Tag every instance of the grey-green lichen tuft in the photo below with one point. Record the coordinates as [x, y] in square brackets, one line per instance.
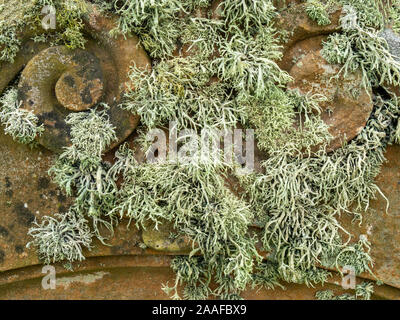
[19, 123]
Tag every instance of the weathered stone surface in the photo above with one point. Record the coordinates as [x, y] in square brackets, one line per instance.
[76, 93]
[393, 40]
[163, 239]
[300, 27]
[381, 224]
[138, 277]
[80, 79]
[349, 105]
[26, 193]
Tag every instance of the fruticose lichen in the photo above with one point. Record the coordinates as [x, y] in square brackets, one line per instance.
[19, 123]
[219, 70]
[80, 170]
[363, 291]
[317, 11]
[17, 15]
[362, 48]
[62, 239]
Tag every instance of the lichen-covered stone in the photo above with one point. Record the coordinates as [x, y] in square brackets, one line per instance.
[163, 239]
[349, 105]
[393, 41]
[57, 80]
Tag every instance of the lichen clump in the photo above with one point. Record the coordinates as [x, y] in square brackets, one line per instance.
[217, 69]
[19, 123]
[363, 291]
[19, 15]
[62, 239]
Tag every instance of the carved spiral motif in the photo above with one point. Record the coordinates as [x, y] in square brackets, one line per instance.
[57, 81]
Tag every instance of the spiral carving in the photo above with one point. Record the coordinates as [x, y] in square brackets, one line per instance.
[56, 81]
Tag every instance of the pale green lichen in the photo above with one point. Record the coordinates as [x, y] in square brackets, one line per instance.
[179, 90]
[62, 237]
[363, 291]
[249, 65]
[12, 19]
[80, 170]
[193, 272]
[203, 36]
[195, 199]
[299, 231]
[158, 23]
[269, 275]
[362, 48]
[19, 123]
[10, 43]
[69, 19]
[91, 131]
[302, 230]
[355, 256]
[394, 15]
[370, 13]
[251, 15]
[18, 16]
[275, 117]
[317, 11]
